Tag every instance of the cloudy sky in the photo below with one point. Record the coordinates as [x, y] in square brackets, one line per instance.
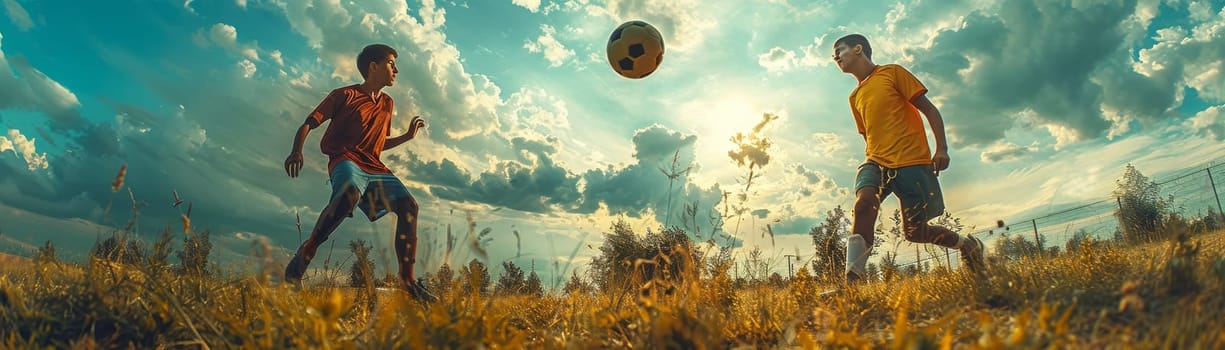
[532, 135]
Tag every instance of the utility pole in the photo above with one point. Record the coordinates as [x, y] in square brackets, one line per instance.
[1037, 241]
[790, 271]
[1214, 192]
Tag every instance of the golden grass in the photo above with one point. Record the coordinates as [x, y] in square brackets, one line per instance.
[1071, 301]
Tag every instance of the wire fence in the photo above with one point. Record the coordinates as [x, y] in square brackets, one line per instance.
[1193, 193]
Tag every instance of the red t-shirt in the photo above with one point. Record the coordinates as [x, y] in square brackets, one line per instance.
[359, 128]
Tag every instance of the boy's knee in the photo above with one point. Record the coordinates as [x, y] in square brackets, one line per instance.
[866, 200]
[405, 206]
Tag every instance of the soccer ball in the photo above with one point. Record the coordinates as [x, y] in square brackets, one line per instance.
[635, 49]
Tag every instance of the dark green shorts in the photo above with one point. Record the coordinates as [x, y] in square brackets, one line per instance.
[916, 187]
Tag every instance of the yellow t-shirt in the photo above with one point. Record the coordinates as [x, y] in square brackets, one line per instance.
[888, 121]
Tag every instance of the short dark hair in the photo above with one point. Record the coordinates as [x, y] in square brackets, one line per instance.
[856, 39]
[373, 53]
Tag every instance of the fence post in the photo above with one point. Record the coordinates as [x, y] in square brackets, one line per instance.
[1037, 243]
[918, 259]
[1214, 192]
[1122, 223]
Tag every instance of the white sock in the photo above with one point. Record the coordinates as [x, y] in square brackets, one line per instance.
[857, 255]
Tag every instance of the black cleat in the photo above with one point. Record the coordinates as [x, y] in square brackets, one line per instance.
[972, 255]
[418, 291]
[295, 269]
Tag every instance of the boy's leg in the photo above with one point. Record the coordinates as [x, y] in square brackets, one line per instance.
[406, 247]
[859, 244]
[919, 191]
[387, 194]
[331, 217]
[406, 237]
[868, 194]
[971, 249]
[344, 198]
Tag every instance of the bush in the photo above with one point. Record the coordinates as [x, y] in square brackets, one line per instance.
[829, 266]
[627, 260]
[194, 255]
[1140, 206]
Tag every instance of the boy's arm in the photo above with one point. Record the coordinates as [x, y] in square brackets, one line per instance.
[293, 163]
[413, 127]
[940, 160]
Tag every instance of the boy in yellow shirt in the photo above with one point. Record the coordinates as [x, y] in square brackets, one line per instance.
[886, 107]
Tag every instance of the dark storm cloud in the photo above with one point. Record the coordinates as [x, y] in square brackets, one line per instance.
[1060, 60]
[24, 87]
[533, 183]
[644, 184]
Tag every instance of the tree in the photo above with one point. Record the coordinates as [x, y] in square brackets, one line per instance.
[46, 254]
[1018, 246]
[776, 280]
[1079, 239]
[829, 265]
[873, 272]
[511, 282]
[443, 279]
[533, 287]
[1140, 206]
[577, 284]
[475, 277]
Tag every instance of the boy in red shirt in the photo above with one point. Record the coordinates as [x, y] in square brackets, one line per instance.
[360, 117]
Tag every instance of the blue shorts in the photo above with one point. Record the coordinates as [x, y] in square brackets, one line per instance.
[379, 193]
[916, 187]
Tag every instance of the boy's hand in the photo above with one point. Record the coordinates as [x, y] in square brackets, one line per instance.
[293, 164]
[940, 161]
[414, 126]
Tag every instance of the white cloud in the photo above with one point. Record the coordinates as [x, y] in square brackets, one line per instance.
[777, 59]
[780, 59]
[1200, 10]
[242, 4]
[1210, 122]
[224, 35]
[248, 68]
[683, 23]
[250, 53]
[826, 144]
[533, 113]
[303, 80]
[18, 14]
[435, 85]
[530, 5]
[187, 6]
[23, 147]
[1193, 57]
[276, 57]
[1002, 151]
[554, 51]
